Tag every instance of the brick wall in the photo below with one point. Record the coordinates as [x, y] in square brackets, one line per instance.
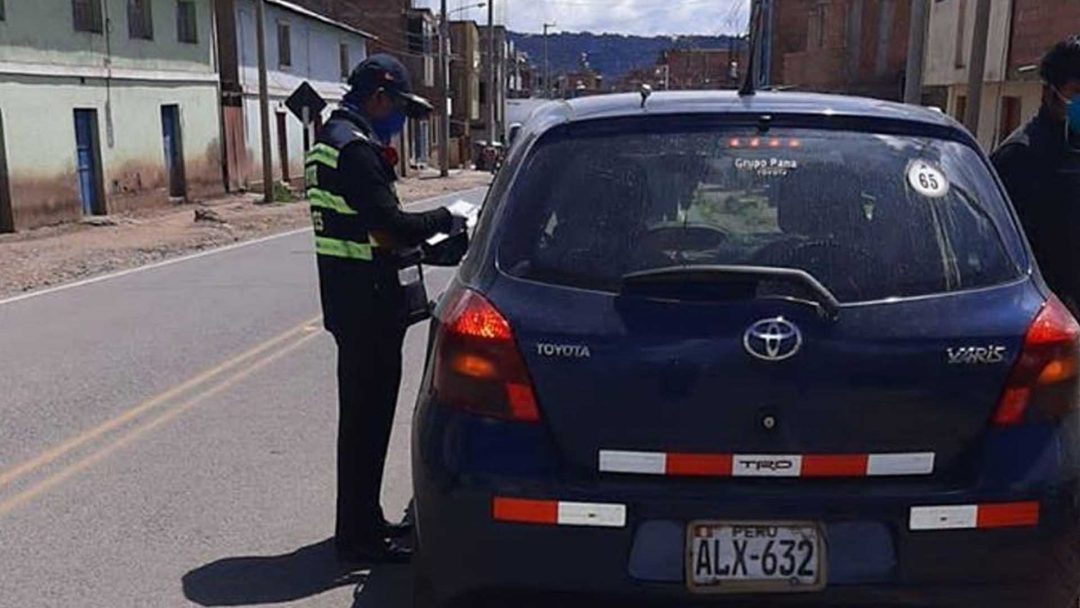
[698, 68]
[841, 46]
[788, 33]
[1038, 25]
[383, 18]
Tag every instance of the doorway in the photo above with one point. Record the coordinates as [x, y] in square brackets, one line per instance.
[283, 145]
[173, 139]
[7, 216]
[88, 162]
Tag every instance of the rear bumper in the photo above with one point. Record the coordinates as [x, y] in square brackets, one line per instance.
[873, 559]
[461, 463]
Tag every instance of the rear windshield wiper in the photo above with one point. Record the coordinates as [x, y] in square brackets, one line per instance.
[647, 281]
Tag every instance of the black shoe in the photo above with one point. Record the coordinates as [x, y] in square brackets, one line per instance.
[401, 530]
[372, 554]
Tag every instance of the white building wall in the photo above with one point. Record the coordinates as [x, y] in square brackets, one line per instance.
[948, 55]
[952, 26]
[48, 70]
[991, 132]
[315, 48]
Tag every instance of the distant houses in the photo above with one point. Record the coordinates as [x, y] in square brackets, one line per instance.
[108, 106]
[301, 45]
[859, 47]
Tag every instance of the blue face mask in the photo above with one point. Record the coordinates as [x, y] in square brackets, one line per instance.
[1072, 115]
[386, 128]
[1072, 112]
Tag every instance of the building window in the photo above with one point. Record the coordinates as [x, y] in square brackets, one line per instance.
[816, 27]
[187, 28]
[961, 107]
[961, 34]
[140, 21]
[284, 45]
[2, 14]
[429, 71]
[1010, 116]
[87, 15]
[343, 59]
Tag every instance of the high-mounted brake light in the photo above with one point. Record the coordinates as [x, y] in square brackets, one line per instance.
[478, 367]
[758, 142]
[1045, 380]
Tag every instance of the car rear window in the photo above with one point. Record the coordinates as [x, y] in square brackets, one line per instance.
[869, 215]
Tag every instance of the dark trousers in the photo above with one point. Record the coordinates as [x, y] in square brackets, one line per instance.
[369, 375]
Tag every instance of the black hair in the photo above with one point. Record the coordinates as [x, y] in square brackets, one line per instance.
[1061, 64]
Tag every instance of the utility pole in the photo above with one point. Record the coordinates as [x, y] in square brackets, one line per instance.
[913, 80]
[264, 104]
[547, 65]
[491, 94]
[976, 66]
[444, 87]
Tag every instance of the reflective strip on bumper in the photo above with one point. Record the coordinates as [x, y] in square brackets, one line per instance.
[971, 517]
[342, 249]
[901, 464]
[647, 463]
[766, 465]
[558, 513]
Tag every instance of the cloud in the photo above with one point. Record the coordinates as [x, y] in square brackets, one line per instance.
[642, 17]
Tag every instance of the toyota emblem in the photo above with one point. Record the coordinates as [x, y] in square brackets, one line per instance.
[773, 339]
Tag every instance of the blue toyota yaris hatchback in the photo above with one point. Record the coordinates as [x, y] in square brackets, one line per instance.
[783, 348]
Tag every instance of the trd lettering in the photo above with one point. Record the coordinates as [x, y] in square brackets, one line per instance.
[767, 465]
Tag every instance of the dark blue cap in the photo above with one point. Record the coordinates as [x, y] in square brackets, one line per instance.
[382, 71]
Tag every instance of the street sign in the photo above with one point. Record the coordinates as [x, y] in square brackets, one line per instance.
[305, 96]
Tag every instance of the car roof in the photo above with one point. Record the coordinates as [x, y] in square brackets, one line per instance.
[723, 102]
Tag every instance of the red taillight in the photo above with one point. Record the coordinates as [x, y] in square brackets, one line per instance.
[478, 367]
[1044, 380]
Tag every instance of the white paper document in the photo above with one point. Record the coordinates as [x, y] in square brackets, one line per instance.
[460, 207]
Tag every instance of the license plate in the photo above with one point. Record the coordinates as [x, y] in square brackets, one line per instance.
[733, 557]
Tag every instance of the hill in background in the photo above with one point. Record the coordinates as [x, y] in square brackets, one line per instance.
[612, 55]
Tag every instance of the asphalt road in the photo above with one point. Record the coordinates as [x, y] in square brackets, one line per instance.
[167, 438]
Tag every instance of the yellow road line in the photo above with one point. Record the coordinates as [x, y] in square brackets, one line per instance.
[9, 476]
[36, 489]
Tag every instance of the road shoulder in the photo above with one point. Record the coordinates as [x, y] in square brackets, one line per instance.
[69, 253]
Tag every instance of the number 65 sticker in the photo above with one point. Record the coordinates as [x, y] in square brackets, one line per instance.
[927, 180]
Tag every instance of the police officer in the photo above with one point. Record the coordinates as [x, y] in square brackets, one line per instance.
[1040, 166]
[360, 234]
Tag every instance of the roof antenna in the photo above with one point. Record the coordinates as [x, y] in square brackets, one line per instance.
[645, 91]
[749, 85]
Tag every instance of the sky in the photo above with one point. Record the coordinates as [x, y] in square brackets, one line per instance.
[641, 17]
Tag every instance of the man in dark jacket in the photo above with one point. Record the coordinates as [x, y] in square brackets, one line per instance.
[361, 232]
[1040, 166]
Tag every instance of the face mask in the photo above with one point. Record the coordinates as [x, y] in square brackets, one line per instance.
[386, 128]
[1072, 112]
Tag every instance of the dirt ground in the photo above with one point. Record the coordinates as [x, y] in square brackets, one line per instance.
[59, 254]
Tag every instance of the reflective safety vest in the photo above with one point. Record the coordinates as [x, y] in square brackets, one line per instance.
[339, 231]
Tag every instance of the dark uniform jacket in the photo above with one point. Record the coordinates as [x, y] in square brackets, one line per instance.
[359, 224]
[1042, 174]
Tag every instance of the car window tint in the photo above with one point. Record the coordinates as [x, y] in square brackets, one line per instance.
[588, 209]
